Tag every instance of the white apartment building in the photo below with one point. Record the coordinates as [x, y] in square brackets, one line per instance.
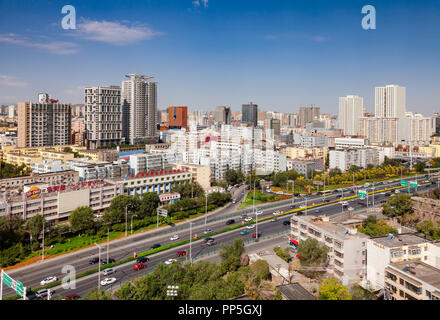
[419, 128]
[103, 116]
[344, 159]
[139, 108]
[405, 265]
[48, 166]
[347, 255]
[310, 141]
[380, 130]
[350, 143]
[390, 102]
[350, 111]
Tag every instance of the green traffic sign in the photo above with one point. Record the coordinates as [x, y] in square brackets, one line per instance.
[7, 280]
[362, 194]
[413, 184]
[404, 183]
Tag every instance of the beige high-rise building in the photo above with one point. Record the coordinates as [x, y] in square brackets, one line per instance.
[43, 124]
[308, 114]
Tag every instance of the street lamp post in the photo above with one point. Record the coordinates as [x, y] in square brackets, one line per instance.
[206, 207]
[172, 291]
[43, 241]
[126, 215]
[108, 242]
[190, 242]
[99, 265]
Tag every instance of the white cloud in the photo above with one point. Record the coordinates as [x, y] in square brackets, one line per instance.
[9, 81]
[113, 32]
[196, 3]
[57, 47]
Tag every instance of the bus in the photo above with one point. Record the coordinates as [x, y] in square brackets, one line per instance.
[325, 193]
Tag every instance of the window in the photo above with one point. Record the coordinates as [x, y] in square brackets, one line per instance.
[401, 293]
[401, 282]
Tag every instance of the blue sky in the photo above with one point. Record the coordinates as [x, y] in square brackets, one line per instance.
[278, 54]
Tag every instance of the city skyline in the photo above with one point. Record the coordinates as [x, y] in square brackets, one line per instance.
[290, 57]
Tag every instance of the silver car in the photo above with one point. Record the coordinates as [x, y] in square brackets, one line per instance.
[108, 271]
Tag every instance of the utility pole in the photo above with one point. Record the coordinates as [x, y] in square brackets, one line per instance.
[43, 240]
[126, 215]
[108, 243]
[132, 223]
[190, 242]
[99, 265]
[206, 207]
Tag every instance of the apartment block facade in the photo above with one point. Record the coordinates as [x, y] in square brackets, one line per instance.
[103, 116]
[43, 124]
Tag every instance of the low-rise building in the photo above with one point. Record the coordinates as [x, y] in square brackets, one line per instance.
[412, 280]
[384, 251]
[200, 174]
[306, 166]
[55, 203]
[162, 181]
[347, 255]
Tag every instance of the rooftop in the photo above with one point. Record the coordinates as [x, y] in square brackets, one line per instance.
[295, 291]
[419, 270]
[400, 239]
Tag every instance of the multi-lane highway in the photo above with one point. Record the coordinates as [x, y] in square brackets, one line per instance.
[121, 249]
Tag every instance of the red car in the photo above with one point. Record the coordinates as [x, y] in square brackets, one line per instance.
[181, 253]
[72, 297]
[255, 235]
[139, 266]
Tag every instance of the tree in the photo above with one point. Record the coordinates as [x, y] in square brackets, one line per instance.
[35, 225]
[230, 255]
[398, 205]
[311, 252]
[333, 290]
[189, 190]
[420, 166]
[260, 269]
[96, 294]
[376, 228]
[148, 204]
[436, 193]
[359, 293]
[118, 205]
[234, 177]
[81, 219]
[335, 172]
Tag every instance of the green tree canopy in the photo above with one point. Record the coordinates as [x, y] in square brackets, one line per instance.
[96, 294]
[398, 205]
[35, 225]
[376, 228]
[331, 289]
[420, 166]
[189, 190]
[230, 255]
[81, 219]
[234, 177]
[311, 252]
[148, 204]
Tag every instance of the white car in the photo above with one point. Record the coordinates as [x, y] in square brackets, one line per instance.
[350, 209]
[251, 226]
[247, 219]
[276, 212]
[258, 212]
[175, 237]
[48, 280]
[108, 271]
[397, 191]
[98, 215]
[108, 281]
[170, 261]
[207, 231]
